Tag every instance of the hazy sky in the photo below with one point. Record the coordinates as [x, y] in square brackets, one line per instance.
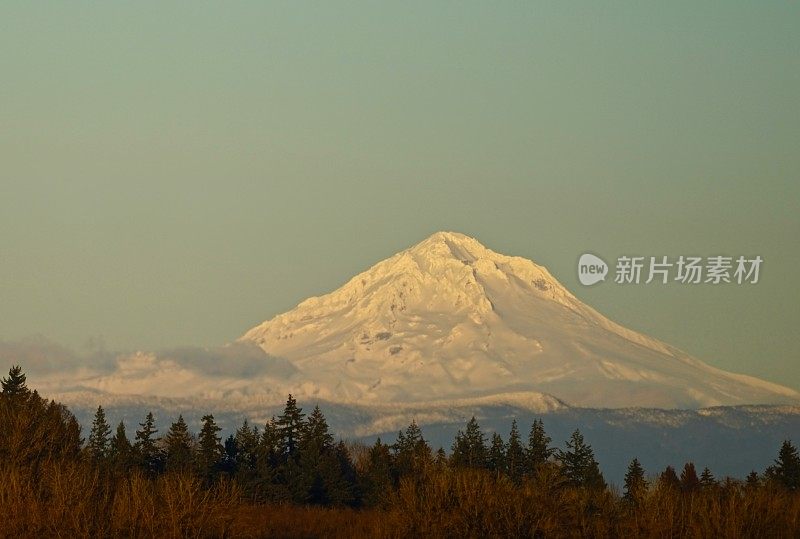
[174, 173]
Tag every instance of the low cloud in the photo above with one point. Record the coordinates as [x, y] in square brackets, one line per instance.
[41, 356]
[235, 360]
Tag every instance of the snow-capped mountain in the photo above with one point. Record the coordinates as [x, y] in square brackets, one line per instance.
[450, 319]
[438, 333]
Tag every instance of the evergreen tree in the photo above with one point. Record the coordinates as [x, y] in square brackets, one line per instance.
[120, 450]
[752, 481]
[178, 446]
[579, 465]
[269, 457]
[707, 480]
[290, 425]
[270, 446]
[14, 387]
[469, 448]
[669, 479]
[635, 483]
[786, 469]
[229, 455]
[689, 480]
[338, 476]
[459, 452]
[209, 448]
[247, 440]
[316, 433]
[99, 436]
[515, 454]
[496, 460]
[538, 450]
[376, 482]
[147, 454]
[246, 453]
[291, 481]
[32, 429]
[411, 451]
[440, 460]
[319, 481]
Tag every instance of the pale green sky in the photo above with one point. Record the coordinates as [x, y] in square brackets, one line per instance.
[174, 173]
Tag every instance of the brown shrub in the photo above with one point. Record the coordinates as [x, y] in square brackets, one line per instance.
[73, 499]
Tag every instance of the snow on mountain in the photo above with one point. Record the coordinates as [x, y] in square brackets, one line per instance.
[450, 319]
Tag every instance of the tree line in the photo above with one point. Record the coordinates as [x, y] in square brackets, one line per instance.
[294, 458]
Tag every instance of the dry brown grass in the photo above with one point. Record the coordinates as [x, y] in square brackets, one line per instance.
[475, 504]
[288, 521]
[74, 499]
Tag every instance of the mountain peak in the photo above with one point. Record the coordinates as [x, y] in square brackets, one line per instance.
[455, 257]
[448, 235]
[452, 245]
[452, 238]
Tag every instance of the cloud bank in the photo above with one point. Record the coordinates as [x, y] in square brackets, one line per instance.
[231, 370]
